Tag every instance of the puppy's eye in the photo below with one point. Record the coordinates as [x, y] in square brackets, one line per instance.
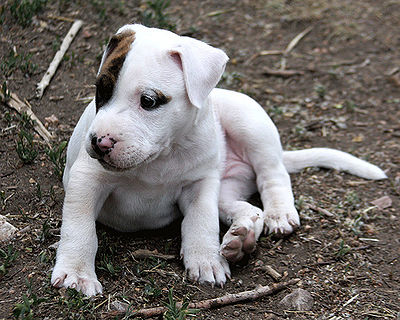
[148, 103]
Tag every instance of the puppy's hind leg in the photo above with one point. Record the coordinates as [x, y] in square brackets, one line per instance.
[256, 140]
[246, 221]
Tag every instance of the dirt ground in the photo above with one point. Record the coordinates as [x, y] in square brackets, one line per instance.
[344, 94]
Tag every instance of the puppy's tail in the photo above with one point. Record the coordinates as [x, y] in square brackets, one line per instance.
[295, 161]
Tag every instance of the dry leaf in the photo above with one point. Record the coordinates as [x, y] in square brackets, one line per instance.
[383, 202]
[359, 138]
[52, 119]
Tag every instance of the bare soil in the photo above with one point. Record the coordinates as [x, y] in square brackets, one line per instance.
[346, 96]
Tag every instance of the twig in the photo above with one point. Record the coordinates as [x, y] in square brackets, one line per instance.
[23, 106]
[57, 58]
[270, 271]
[218, 12]
[321, 210]
[285, 52]
[143, 254]
[350, 301]
[23, 230]
[281, 72]
[61, 18]
[292, 44]
[263, 53]
[270, 52]
[297, 39]
[232, 298]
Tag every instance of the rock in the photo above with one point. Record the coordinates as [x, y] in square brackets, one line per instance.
[299, 299]
[119, 306]
[7, 230]
[54, 245]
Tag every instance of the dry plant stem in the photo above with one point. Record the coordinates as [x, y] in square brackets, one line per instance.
[292, 44]
[282, 73]
[297, 39]
[42, 85]
[321, 210]
[232, 298]
[20, 106]
[142, 254]
[271, 271]
[61, 18]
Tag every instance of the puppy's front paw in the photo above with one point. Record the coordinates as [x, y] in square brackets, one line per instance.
[85, 282]
[205, 266]
[281, 221]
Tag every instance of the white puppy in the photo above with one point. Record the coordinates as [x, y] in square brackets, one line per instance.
[159, 141]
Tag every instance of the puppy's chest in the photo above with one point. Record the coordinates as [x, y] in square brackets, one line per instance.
[140, 206]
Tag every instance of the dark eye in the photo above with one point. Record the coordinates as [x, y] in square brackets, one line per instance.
[148, 103]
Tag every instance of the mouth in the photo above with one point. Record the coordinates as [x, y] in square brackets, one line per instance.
[109, 166]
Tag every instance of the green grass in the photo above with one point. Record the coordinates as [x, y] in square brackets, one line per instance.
[17, 61]
[57, 156]
[106, 264]
[7, 258]
[75, 305]
[24, 10]
[26, 147]
[5, 93]
[151, 289]
[175, 313]
[320, 90]
[343, 250]
[25, 309]
[155, 15]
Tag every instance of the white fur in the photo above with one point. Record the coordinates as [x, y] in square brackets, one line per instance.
[200, 155]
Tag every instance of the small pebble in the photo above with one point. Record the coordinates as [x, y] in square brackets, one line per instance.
[299, 299]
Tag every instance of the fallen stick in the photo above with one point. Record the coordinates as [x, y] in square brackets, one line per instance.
[21, 107]
[321, 210]
[231, 298]
[143, 253]
[60, 18]
[282, 72]
[263, 53]
[42, 85]
[271, 271]
[296, 40]
[292, 44]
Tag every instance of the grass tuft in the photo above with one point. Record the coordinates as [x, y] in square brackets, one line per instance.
[175, 313]
[57, 156]
[155, 15]
[7, 258]
[24, 310]
[26, 147]
[24, 10]
[15, 61]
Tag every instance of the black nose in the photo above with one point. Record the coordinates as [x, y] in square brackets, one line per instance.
[94, 141]
[95, 147]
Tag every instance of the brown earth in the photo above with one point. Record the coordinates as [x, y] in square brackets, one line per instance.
[346, 96]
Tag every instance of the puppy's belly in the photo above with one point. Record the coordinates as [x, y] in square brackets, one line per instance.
[237, 163]
[128, 210]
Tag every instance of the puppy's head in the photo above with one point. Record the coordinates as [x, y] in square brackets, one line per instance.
[149, 88]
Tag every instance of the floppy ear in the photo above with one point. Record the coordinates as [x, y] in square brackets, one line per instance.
[202, 67]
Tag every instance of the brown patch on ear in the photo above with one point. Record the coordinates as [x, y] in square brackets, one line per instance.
[117, 49]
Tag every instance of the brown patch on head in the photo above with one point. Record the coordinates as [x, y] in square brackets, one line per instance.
[162, 99]
[116, 52]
